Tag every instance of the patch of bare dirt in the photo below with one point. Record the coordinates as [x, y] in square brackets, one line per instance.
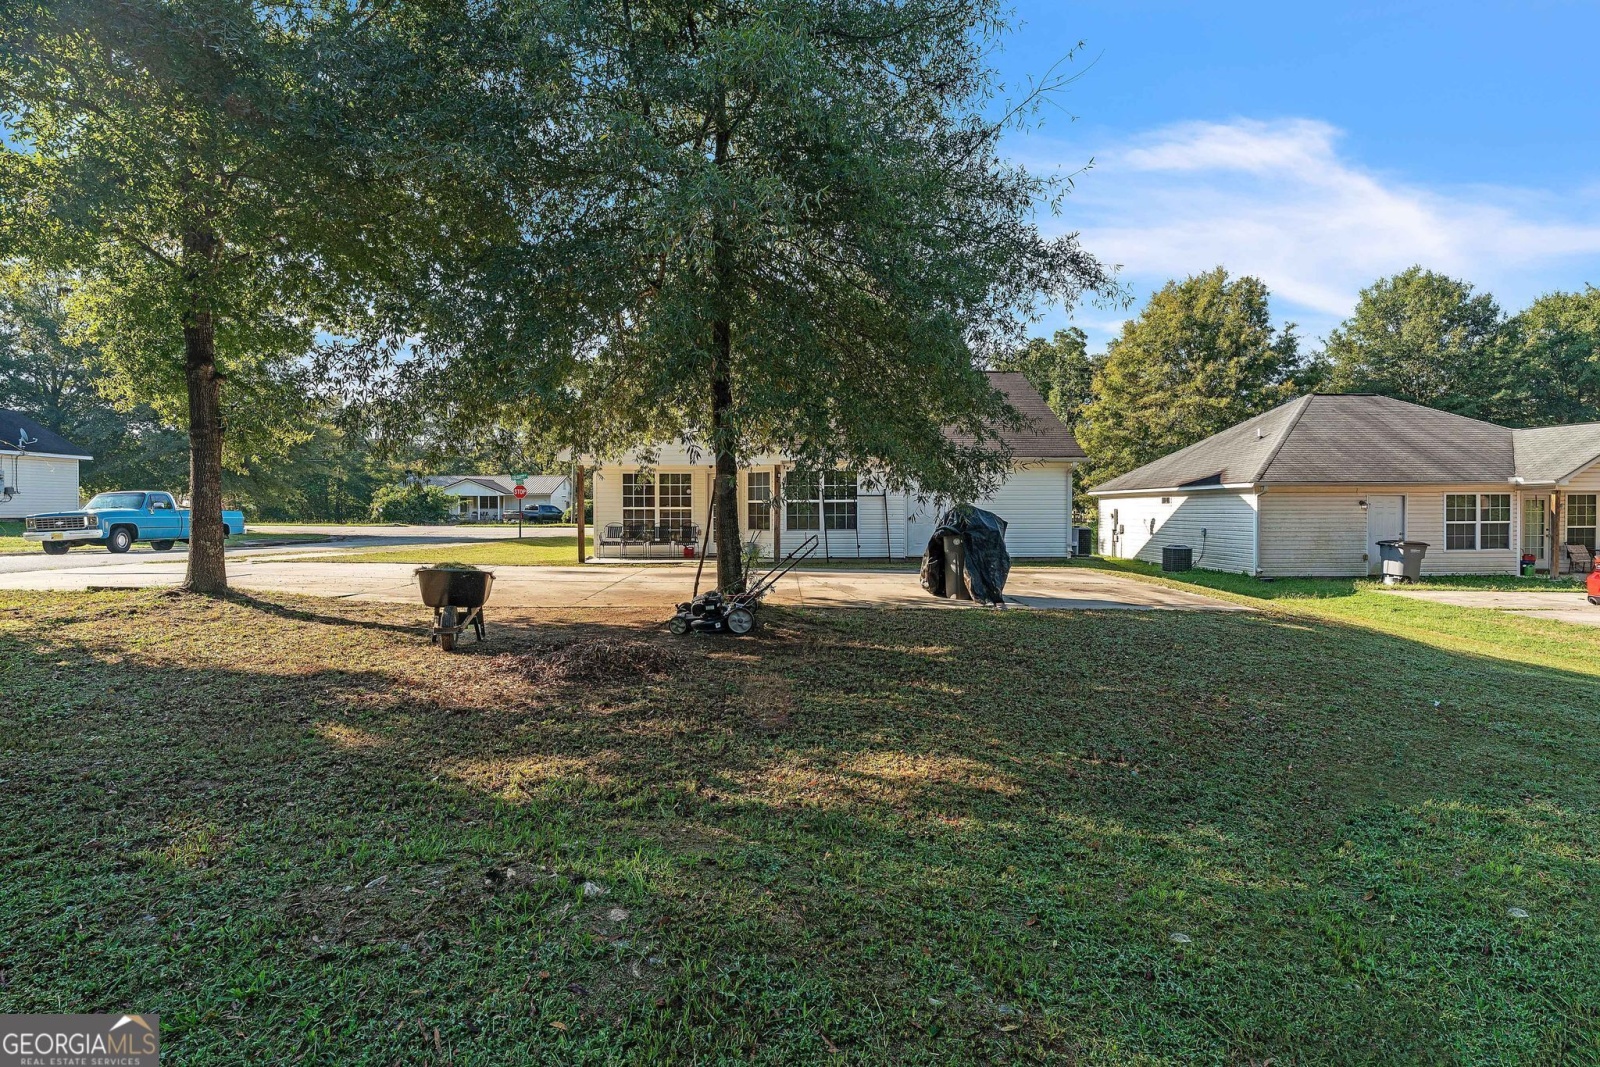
[597, 659]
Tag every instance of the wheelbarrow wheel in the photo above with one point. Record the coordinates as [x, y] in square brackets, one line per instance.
[741, 621]
[447, 629]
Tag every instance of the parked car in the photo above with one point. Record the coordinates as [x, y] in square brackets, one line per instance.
[537, 513]
[117, 520]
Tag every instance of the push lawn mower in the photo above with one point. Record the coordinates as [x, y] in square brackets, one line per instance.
[736, 614]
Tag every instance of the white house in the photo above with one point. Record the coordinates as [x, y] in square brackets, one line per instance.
[491, 497]
[38, 468]
[1310, 487]
[662, 509]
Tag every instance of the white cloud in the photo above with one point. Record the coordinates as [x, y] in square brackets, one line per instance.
[1279, 200]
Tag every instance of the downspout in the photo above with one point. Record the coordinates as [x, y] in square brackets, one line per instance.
[1255, 521]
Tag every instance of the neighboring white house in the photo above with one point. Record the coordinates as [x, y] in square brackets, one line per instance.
[1310, 487]
[491, 497]
[38, 468]
[662, 509]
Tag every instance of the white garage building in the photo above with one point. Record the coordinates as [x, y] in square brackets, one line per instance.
[660, 510]
[38, 468]
[1310, 487]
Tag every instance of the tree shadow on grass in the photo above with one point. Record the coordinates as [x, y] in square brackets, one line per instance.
[937, 835]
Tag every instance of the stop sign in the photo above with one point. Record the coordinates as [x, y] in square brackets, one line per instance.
[520, 491]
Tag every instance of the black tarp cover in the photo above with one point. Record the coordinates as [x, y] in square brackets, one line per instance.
[987, 563]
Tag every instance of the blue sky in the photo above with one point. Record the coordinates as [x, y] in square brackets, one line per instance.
[1321, 146]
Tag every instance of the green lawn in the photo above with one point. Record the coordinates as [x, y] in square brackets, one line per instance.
[11, 538]
[1294, 835]
[523, 552]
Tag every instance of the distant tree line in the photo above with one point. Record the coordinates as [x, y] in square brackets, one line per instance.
[1203, 355]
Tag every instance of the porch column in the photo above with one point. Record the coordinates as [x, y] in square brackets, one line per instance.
[1553, 533]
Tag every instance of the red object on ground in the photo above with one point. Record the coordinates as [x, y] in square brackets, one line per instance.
[1594, 585]
[520, 491]
[688, 552]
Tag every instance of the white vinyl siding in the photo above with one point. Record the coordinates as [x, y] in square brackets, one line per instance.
[1036, 502]
[1318, 532]
[40, 484]
[1218, 525]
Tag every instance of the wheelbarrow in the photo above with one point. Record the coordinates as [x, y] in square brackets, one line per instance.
[457, 598]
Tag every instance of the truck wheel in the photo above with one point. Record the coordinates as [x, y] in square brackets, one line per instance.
[121, 540]
[1595, 600]
[56, 548]
[162, 546]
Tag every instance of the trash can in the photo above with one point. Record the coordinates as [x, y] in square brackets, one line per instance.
[1402, 560]
[955, 567]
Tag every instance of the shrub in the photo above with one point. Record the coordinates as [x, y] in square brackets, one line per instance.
[411, 502]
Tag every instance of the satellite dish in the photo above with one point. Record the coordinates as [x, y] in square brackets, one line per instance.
[24, 440]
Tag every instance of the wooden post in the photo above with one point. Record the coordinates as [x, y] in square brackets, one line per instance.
[1554, 533]
[578, 505]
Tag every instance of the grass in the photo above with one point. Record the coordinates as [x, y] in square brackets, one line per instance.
[894, 836]
[524, 552]
[11, 538]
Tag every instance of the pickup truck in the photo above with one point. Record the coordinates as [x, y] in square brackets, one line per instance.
[117, 520]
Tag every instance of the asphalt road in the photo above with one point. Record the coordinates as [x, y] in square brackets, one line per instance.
[342, 538]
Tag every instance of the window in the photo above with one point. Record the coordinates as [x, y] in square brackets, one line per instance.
[758, 497]
[1477, 522]
[813, 503]
[1581, 520]
[1461, 520]
[802, 510]
[638, 501]
[839, 500]
[676, 492]
[1494, 526]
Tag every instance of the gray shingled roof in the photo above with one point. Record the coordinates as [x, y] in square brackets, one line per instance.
[1345, 439]
[1551, 453]
[537, 484]
[1046, 436]
[40, 440]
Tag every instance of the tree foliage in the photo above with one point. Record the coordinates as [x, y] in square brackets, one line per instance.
[193, 159]
[1201, 356]
[411, 502]
[1549, 359]
[1060, 368]
[793, 233]
[1423, 337]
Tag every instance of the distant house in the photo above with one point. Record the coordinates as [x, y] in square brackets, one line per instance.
[491, 497]
[38, 468]
[1310, 487]
[661, 509]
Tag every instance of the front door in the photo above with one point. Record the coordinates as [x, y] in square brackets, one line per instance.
[1386, 521]
[1534, 528]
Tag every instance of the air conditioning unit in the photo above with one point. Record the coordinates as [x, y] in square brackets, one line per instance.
[1177, 558]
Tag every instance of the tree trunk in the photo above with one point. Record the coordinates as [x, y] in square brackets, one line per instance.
[207, 566]
[730, 544]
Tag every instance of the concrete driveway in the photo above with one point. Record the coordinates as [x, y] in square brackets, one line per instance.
[1564, 606]
[600, 586]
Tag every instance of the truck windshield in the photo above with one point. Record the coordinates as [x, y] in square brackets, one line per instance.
[115, 502]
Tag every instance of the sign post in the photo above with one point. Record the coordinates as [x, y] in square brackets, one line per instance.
[519, 492]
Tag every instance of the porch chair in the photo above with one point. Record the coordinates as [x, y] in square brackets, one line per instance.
[1579, 559]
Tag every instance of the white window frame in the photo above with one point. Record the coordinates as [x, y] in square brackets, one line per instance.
[1479, 523]
[830, 501]
[1591, 526]
[758, 501]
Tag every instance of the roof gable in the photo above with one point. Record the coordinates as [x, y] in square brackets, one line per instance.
[22, 435]
[1044, 437]
[1337, 439]
[1555, 453]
